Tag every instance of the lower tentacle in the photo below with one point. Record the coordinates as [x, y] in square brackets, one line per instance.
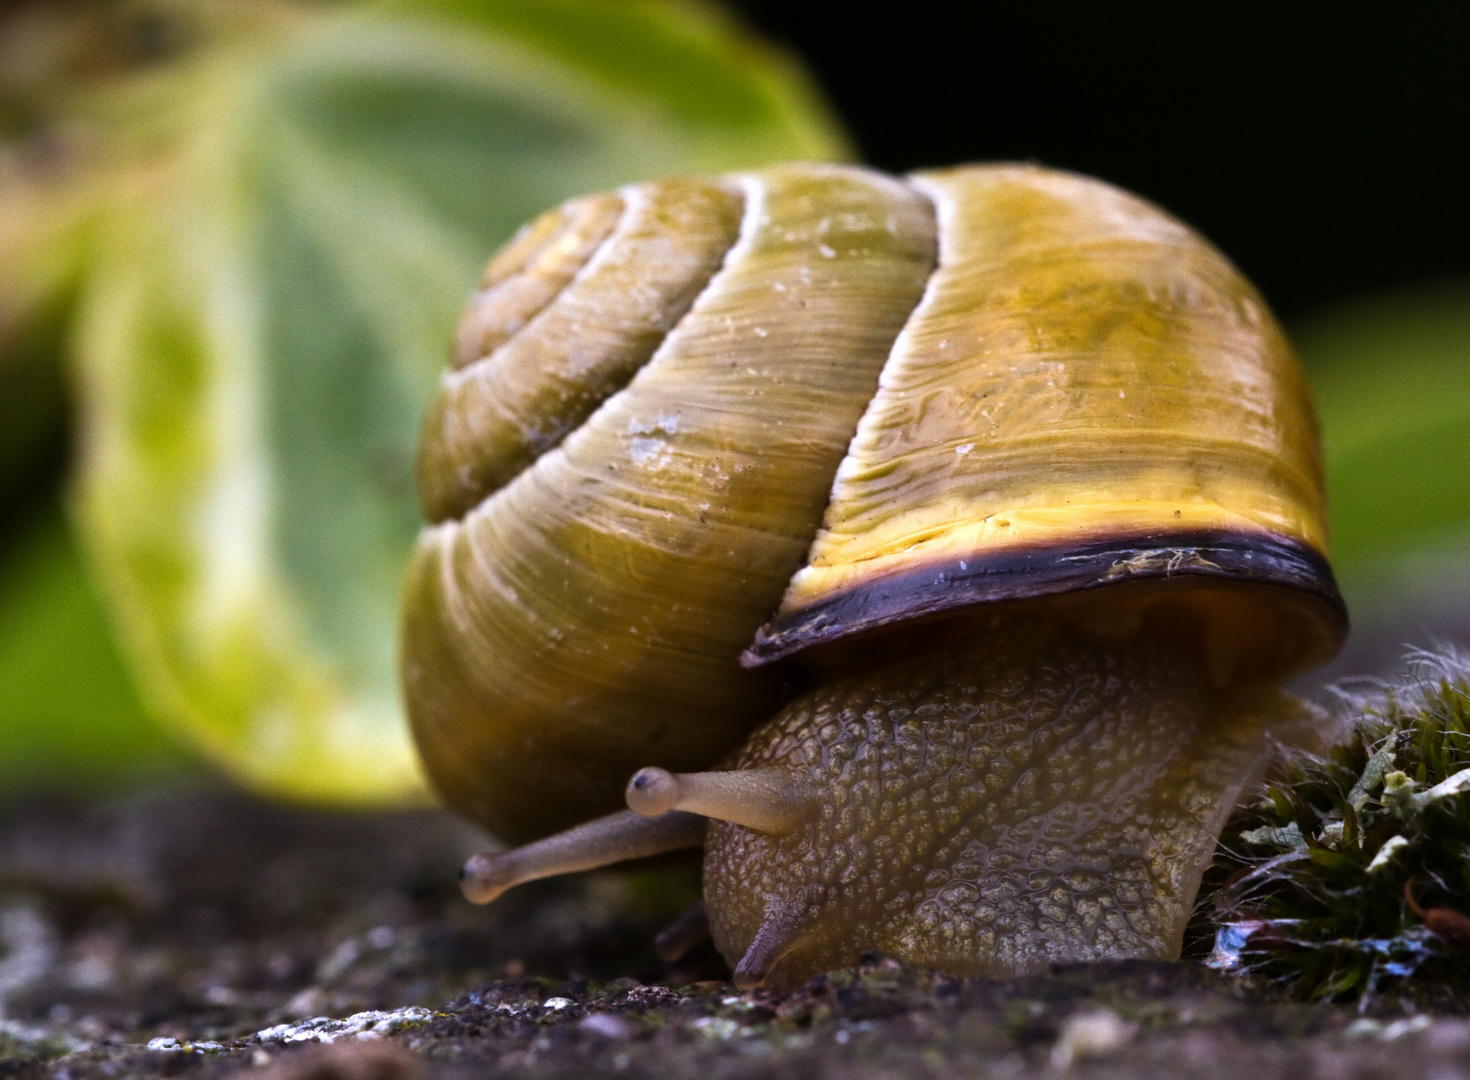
[600, 842]
[681, 935]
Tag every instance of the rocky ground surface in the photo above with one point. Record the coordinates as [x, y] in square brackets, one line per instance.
[198, 933]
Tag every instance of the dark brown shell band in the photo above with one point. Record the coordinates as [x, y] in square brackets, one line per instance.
[1252, 561]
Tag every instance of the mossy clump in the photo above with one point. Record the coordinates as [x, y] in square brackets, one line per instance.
[1352, 872]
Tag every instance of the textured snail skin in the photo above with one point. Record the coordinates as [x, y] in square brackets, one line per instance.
[1013, 474]
[1015, 794]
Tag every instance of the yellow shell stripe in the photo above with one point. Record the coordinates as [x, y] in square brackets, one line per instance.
[592, 610]
[1081, 367]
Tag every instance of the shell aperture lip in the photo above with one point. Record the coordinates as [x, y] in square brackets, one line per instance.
[1290, 579]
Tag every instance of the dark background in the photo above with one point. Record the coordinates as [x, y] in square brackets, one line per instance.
[1321, 146]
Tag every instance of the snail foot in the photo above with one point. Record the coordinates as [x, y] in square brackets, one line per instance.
[681, 935]
[600, 842]
[769, 800]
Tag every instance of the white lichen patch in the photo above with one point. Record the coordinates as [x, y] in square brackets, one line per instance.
[1091, 1034]
[1387, 1031]
[28, 945]
[1287, 838]
[1386, 853]
[188, 1046]
[373, 1024]
[19, 1040]
[717, 1027]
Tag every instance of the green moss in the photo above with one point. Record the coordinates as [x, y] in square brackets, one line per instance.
[1309, 883]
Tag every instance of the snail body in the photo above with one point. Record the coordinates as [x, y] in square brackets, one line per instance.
[942, 541]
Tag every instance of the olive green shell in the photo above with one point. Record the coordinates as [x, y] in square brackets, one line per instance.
[705, 420]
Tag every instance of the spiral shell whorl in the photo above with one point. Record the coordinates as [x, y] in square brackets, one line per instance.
[617, 283]
[591, 611]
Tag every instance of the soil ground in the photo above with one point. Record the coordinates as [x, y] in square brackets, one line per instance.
[195, 932]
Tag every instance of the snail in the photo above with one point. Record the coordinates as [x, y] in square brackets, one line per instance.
[932, 550]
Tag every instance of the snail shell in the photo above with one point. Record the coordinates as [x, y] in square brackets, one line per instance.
[858, 402]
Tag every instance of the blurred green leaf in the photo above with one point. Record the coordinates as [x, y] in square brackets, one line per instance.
[690, 57]
[268, 309]
[45, 220]
[57, 728]
[1392, 380]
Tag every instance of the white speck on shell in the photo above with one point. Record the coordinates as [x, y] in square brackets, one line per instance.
[648, 453]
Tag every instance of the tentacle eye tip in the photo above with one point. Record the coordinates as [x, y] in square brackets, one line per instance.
[484, 877]
[652, 791]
